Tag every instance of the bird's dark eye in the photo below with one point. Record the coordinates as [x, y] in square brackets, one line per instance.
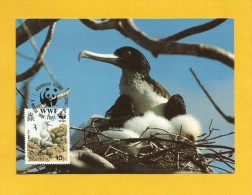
[127, 54]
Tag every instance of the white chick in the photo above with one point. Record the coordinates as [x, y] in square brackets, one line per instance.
[185, 125]
[112, 133]
[149, 120]
[189, 126]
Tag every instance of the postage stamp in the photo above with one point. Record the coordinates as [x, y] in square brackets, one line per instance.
[47, 136]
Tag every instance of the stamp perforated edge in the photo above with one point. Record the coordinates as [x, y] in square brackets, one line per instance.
[68, 144]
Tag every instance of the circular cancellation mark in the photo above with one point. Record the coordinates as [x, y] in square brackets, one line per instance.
[50, 95]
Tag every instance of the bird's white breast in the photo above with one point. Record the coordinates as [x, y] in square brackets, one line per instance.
[143, 95]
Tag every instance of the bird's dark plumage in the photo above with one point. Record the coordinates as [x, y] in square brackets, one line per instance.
[122, 107]
[159, 89]
[132, 60]
[175, 106]
[138, 91]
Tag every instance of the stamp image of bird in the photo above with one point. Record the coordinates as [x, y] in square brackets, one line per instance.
[114, 98]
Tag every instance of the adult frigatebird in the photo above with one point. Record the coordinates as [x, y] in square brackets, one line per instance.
[138, 91]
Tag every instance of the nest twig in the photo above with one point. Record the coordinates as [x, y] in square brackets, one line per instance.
[157, 154]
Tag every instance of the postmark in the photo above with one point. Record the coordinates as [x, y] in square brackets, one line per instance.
[47, 136]
[48, 94]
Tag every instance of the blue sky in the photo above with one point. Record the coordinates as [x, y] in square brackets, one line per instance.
[95, 84]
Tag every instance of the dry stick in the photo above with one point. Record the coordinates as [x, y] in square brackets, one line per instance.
[210, 129]
[154, 128]
[25, 56]
[91, 131]
[228, 118]
[213, 154]
[219, 168]
[104, 25]
[28, 169]
[158, 46]
[23, 96]
[195, 30]
[221, 159]
[200, 50]
[231, 161]
[215, 158]
[34, 25]
[20, 157]
[18, 148]
[100, 25]
[217, 137]
[215, 146]
[39, 62]
[201, 164]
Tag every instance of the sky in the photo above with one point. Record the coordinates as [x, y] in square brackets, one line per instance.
[95, 85]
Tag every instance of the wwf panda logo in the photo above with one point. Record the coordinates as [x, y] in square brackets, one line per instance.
[48, 98]
[62, 115]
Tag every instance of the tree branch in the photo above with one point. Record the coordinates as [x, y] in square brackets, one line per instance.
[28, 168]
[19, 125]
[23, 96]
[100, 25]
[227, 118]
[223, 135]
[159, 46]
[200, 50]
[195, 30]
[35, 26]
[219, 168]
[27, 57]
[39, 61]
[210, 130]
[104, 25]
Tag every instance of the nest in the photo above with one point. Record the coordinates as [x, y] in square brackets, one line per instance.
[162, 153]
[155, 154]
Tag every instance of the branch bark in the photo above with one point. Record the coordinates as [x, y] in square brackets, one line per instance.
[195, 30]
[23, 96]
[35, 26]
[39, 61]
[100, 25]
[200, 50]
[104, 25]
[161, 46]
[227, 118]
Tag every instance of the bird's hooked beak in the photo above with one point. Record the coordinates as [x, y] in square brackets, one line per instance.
[109, 58]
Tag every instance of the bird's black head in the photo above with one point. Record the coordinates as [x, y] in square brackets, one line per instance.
[175, 106]
[127, 58]
[130, 59]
